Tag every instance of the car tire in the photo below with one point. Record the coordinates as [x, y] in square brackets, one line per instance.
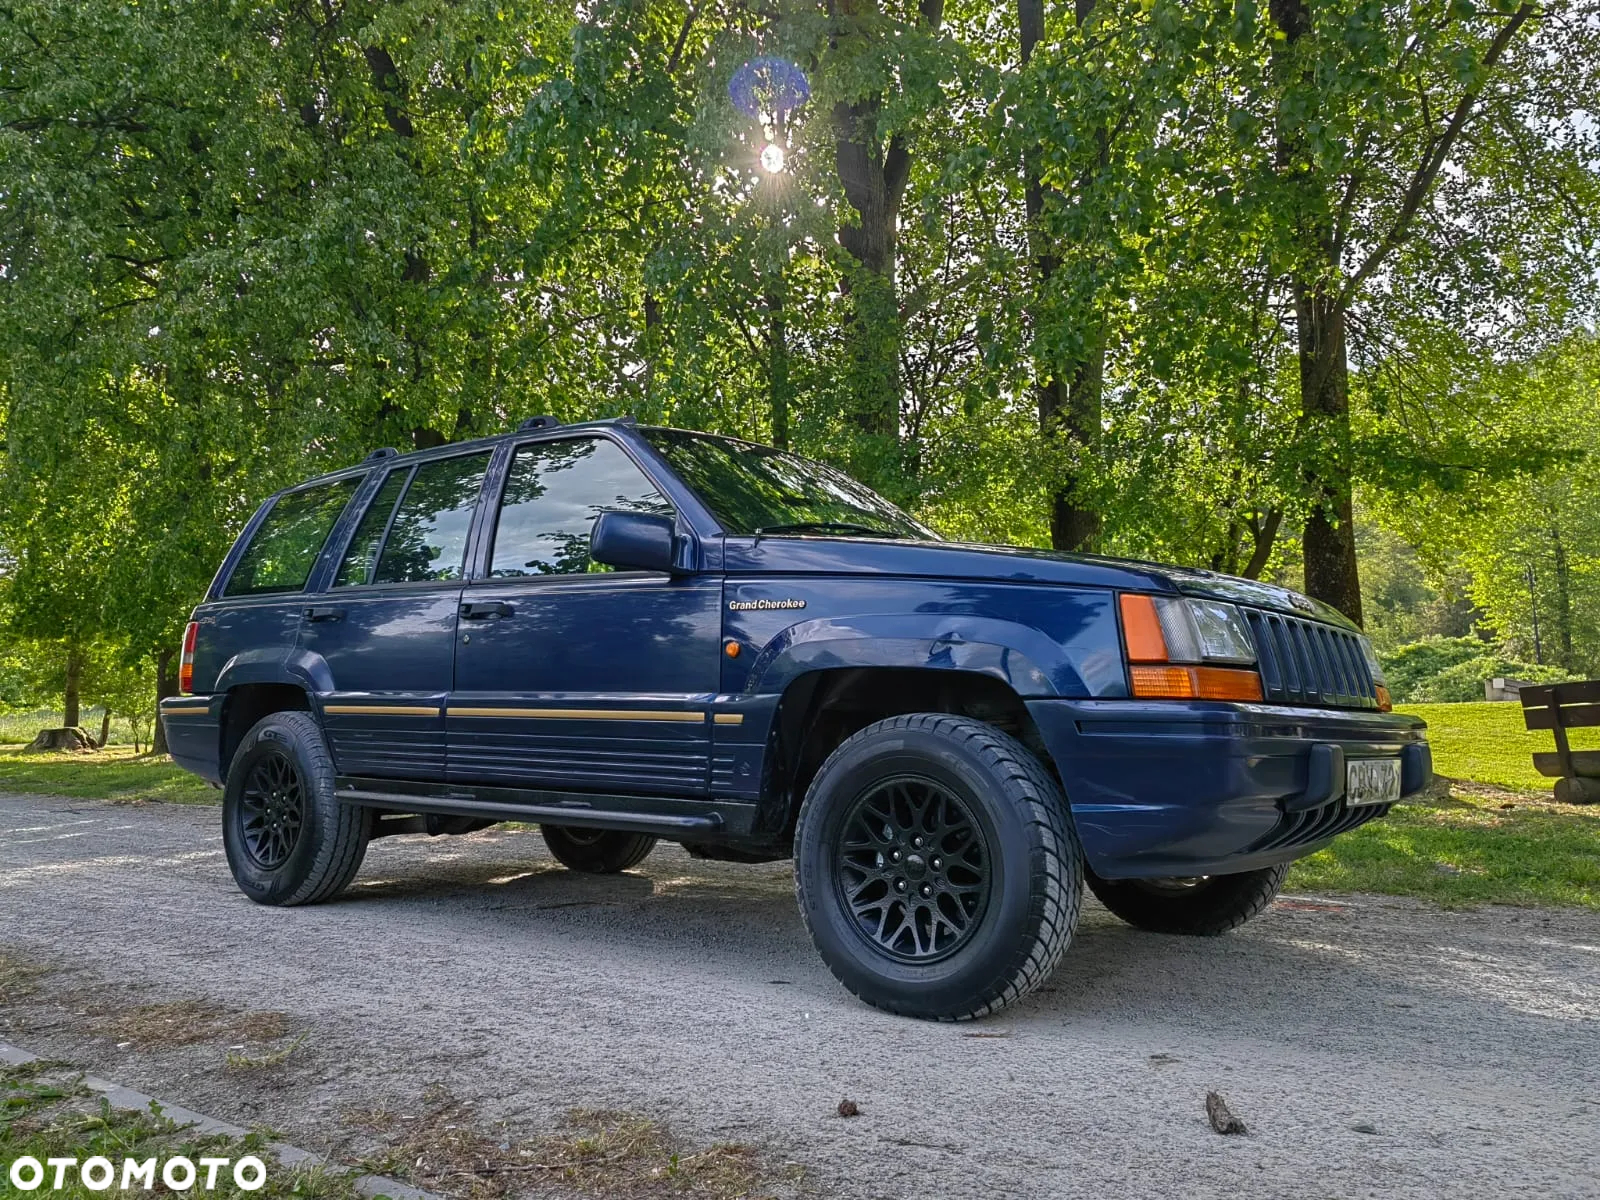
[1201, 907]
[596, 851]
[975, 927]
[288, 838]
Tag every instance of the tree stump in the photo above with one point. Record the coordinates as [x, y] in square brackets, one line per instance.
[1580, 790]
[72, 737]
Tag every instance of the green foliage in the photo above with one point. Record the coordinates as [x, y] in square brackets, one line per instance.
[1409, 669]
[240, 243]
[1463, 681]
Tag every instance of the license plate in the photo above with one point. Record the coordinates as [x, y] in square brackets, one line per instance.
[1372, 781]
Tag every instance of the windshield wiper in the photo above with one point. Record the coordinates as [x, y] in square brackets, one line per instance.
[846, 527]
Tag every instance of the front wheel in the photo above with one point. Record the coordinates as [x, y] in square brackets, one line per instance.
[937, 868]
[596, 851]
[1203, 905]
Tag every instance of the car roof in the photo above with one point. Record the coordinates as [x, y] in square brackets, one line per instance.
[389, 457]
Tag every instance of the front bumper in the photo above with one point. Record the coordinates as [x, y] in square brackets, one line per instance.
[1205, 788]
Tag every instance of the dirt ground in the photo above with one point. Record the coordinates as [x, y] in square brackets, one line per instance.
[471, 988]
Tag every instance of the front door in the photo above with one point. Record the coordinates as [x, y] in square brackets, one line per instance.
[571, 675]
[386, 628]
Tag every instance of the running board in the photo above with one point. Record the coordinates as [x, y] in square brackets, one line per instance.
[663, 816]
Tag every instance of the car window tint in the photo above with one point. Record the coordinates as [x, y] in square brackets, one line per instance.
[553, 493]
[428, 537]
[362, 556]
[280, 556]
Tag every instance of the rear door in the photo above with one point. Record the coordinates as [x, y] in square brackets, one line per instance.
[253, 628]
[385, 630]
[570, 674]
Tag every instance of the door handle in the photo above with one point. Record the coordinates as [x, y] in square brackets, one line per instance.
[482, 610]
[324, 613]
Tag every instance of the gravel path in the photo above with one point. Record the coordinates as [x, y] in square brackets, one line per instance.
[1374, 1047]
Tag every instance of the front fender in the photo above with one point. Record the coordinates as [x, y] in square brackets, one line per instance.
[1024, 658]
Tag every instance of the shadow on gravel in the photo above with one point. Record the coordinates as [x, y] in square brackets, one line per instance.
[1323, 975]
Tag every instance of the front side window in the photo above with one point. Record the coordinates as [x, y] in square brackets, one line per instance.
[756, 489]
[280, 556]
[427, 539]
[554, 492]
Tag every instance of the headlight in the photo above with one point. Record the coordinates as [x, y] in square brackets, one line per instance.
[1204, 631]
[1172, 643]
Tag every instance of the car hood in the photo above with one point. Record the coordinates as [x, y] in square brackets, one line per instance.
[813, 554]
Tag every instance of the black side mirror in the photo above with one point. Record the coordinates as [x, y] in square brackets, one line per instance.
[632, 541]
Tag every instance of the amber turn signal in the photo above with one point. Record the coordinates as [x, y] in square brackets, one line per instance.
[731, 649]
[1195, 683]
[1141, 626]
[1384, 703]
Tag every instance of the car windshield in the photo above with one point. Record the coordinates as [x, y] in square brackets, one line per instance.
[754, 489]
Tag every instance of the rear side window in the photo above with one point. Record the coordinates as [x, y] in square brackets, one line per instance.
[280, 556]
[553, 493]
[427, 539]
[361, 558]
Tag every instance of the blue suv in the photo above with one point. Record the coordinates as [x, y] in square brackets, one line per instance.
[626, 633]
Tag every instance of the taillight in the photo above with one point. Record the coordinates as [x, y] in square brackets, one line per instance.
[1170, 643]
[186, 659]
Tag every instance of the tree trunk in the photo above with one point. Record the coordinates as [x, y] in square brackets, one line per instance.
[166, 685]
[873, 175]
[777, 364]
[69, 699]
[105, 729]
[1563, 600]
[1069, 399]
[1330, 536]
[1329, 542]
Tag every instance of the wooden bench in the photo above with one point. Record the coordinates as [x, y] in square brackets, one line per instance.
[1559, 707]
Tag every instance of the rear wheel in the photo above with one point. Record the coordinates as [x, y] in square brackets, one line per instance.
[1202, 905]
[936, 867]
[596, 851]
[288, 838]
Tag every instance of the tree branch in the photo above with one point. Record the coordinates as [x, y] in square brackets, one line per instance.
[1428, 169]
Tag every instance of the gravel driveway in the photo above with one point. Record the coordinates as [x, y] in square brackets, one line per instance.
[1374, 1047]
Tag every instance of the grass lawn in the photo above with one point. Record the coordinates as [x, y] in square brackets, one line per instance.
[1491, 834]
[45, 1114]
[1487, 743]
[114, 773]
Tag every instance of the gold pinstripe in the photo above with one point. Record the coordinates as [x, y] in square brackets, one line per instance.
[382, 710]
[582, 714]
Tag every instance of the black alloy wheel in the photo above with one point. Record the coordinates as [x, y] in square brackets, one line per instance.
[936, 866]
[288, 837]
[272, 810]
[914, 869]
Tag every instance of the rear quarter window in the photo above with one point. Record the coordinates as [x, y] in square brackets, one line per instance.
[284, 548]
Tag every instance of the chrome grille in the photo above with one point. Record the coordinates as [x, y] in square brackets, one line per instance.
[1307, 662]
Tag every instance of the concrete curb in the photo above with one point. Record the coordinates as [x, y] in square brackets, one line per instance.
[289, 1156]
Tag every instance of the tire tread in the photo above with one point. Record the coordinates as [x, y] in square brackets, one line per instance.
[1056, 853]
